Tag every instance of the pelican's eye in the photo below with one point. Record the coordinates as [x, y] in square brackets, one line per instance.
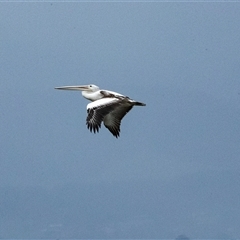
[90, 86]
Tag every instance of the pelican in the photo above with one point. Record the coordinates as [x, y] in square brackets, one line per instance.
[106, 106]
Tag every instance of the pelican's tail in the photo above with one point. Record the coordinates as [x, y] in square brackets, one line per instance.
[139, 104]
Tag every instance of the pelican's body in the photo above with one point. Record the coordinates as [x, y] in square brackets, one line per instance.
[107, 106]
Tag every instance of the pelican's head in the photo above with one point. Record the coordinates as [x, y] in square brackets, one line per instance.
[87, 88]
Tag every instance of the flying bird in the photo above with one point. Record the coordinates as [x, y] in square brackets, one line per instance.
[106, 106]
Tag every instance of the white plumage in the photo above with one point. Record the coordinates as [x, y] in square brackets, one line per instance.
[107, 106]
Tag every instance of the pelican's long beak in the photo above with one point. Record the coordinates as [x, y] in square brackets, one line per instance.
[74, 88]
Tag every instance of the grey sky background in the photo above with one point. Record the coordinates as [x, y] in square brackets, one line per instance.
[175, 168]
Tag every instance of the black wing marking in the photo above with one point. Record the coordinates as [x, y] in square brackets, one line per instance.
[107, 94]
[97, 114]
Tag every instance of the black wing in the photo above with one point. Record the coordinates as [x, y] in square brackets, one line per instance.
[112, 120]
[98, 110]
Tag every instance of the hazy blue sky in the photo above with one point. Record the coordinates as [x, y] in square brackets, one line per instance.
[175, 168]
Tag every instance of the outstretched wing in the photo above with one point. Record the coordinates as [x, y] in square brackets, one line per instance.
[112, 120]
[97, 110]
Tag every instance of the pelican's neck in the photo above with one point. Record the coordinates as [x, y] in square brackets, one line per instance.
[92, 96]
